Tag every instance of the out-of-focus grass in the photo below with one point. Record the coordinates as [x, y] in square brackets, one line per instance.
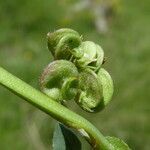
[23, 51]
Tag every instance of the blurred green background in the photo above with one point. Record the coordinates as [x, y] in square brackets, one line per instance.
[23, 51]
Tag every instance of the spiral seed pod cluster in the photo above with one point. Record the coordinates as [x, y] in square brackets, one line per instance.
[77, 73]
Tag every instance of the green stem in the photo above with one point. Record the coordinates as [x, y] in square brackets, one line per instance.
[54, 109]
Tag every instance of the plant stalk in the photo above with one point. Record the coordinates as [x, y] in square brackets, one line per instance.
[54, 109]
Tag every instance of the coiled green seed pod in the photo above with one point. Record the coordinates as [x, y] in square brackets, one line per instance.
[95, 90]
[77, 73]
[60, 80]
[91, 55]
[90, 94]
[62, 41]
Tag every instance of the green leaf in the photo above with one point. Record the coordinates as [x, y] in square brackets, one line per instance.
[117, 143]
[65, 139]
[71, 140]
[58, 139]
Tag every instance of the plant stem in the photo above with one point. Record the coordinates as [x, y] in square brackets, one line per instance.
[54, 109]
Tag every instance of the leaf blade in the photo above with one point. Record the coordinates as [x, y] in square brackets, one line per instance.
[71, 140]
[58, 139]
